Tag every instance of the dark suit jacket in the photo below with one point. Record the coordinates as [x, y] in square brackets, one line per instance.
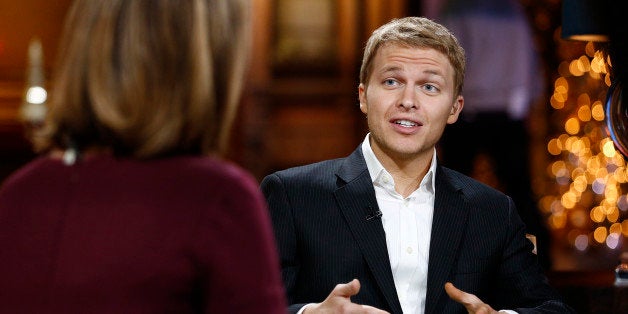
[478, 243]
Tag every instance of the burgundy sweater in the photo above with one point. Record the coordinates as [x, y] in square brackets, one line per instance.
[174, 235]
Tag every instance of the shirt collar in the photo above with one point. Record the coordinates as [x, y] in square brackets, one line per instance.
[376, 170]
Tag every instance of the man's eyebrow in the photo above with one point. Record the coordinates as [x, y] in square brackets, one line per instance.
[434, 72]
[392, 68]
[436, 75]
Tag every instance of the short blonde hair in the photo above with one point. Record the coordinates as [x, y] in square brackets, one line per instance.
[147, 78]
[416, 32]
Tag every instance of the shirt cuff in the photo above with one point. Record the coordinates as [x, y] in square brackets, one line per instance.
[303, 308]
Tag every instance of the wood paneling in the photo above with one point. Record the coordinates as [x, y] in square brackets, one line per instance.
[306, 114]
[21, 21]
[284, 120]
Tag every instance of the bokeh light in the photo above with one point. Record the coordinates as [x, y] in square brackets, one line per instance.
[589, 200]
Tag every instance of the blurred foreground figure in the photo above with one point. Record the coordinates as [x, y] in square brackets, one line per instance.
[129, 209]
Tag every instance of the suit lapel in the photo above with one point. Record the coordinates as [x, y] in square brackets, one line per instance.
[450, 218]
[355, 195]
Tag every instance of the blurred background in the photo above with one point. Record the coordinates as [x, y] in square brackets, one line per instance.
[300, 106]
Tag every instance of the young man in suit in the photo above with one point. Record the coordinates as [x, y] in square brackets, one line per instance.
[387, 228]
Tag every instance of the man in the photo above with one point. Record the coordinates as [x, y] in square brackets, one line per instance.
[410, 231]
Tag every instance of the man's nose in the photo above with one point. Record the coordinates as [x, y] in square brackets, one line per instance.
[408, 98]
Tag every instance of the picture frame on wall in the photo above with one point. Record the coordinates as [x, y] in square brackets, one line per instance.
[305, 38]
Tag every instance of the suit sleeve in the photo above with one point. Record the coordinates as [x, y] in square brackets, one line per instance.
[281, 213]
[523, 282]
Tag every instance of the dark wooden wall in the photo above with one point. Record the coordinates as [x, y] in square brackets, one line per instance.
[300, 104]
[20, 22]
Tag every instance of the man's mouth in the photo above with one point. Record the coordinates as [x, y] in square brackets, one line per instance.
[406, 123]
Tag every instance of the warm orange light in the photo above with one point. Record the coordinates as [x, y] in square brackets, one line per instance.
[572, 126]
[597, 214]
[580, 183]
[583, 100]
[545, 203]
[563, 70]
[607, 79]
[609, 149]
[613, 216]
[584, 113]
[569, 200]
[578, 218]
[558, 166]
[600, 234]
[598, 111]
[557, 104]
[589, 172]
[575, 68]
[561, 85]
[589, 49]
[583, 64]
[558, 221]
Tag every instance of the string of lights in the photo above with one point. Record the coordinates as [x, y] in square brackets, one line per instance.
[589, 205]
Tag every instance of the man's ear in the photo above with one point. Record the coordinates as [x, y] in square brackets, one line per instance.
[456, 108]
[362, 98]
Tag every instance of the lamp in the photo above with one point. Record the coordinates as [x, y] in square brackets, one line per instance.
[33, 109]
[585, 20]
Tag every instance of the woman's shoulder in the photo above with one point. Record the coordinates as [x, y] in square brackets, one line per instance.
[205, 167]
[39, 166]
[41, 174]
[203, 173]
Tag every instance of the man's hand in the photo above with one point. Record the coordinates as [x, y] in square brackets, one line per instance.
[472, 303]
[339, 301]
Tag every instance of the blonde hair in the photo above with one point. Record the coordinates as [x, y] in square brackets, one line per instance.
[416, 32]
[147, 78]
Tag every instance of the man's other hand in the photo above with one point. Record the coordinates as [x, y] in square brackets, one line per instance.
[339, 301]
[472, 303]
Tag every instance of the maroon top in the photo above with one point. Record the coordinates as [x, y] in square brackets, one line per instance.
[106, 235]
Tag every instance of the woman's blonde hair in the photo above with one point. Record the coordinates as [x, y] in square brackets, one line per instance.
[148, 78]
[416, 32]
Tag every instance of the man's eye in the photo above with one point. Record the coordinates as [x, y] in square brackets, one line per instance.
[390, 82]
[430, 88]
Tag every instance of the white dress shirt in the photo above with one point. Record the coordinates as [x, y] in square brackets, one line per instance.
[408, 226]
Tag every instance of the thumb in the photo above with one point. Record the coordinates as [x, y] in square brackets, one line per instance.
[460, 296]
[347, 289]
[453, 292]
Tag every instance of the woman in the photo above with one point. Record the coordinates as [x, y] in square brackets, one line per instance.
[130, 210]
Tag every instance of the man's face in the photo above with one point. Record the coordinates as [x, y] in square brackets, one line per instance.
[408, 100]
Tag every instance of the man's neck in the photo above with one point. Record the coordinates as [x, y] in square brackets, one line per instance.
[407, 172]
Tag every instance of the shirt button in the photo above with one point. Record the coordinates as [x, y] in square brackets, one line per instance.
[406, 202]
[409, 250]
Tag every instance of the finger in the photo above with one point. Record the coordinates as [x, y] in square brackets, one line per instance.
[460, 296]
[372, 310]
[347, 289]
[453, 292]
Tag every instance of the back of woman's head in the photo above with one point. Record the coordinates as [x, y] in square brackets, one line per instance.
[147, 78]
